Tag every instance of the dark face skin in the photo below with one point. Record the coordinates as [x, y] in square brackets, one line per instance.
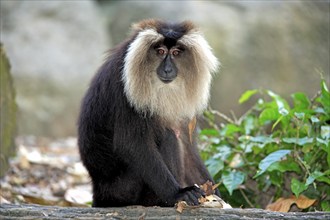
[167, 70]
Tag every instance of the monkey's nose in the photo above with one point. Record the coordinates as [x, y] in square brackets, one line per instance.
[168, 70]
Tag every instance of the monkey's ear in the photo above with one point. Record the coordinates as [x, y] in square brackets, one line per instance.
[189, 25]
[146, 24]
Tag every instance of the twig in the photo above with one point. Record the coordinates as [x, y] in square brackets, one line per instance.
[246, 198]
[221, 115]
[315, 97]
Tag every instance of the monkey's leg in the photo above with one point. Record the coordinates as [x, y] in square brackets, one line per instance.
[123, 191]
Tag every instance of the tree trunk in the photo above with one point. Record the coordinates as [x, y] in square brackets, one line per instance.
[8, 110]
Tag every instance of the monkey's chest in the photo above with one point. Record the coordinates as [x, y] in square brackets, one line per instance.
[172, 150]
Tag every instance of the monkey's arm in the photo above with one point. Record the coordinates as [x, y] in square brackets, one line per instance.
[135, 144]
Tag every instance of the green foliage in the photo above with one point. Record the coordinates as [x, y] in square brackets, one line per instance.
[274, 150]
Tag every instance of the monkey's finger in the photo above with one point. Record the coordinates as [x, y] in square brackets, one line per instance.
[193, 198]
[199, 192]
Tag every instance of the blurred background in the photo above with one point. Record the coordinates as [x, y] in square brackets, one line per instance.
[55, 47]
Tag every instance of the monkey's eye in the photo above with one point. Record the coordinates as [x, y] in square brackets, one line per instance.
[161, 51]
[176, 52]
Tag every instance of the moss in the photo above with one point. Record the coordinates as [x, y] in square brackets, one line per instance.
[8, 110]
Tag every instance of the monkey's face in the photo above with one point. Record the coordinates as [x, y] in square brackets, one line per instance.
[172, 61]
[167, 70]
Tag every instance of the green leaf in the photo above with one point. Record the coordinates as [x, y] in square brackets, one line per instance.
[232, 180]
[325, 96]
[284, 166]
[300, 100]
[214, 166]
[276, 178]
[282, 105]
[314, 119]
[262, 139]
[324, 179]
[300, 115]
[269, 114]
[325, 132]
[210, 132]
[297, 187]
[247, 95]
[270, 159]
[223, 152]
[313, 176]
[327, 149]
[321, 141]
[249, 124]
[210, 116]
[230, 129]
[325, 206]
[319, 176]
[299, 141]
[276, 122]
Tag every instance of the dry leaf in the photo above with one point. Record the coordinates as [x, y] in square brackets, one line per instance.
[40, 200]
[209, 188]
[214, 201]
[215, 186]
[201, 200]
[180, 206]
[281, 205]
[191, 126]
[211, 200]
[284, 204]
[303, 202]
[3, 200]
[78, 195]
[24, 163]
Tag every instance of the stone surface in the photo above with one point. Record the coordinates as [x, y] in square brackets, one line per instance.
[8, 211]
[61, 40]
[54, 47]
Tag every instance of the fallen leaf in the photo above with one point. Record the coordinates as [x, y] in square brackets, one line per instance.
[78, 195]
[215, 186]
[208, 188]
[201, 200]
[24, 163]
[284, 204]
[281, 205]
[214, 201]
[191, 126]
[40, 200]
[303, 202]
[211, 200]
[180, 206]
[3, 200]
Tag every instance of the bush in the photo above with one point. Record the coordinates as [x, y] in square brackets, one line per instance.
[274, 150]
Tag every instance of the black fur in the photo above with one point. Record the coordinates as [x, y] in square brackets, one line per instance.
[172, 30]
[133, 159]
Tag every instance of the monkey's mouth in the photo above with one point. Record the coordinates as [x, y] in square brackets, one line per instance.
[166, 80]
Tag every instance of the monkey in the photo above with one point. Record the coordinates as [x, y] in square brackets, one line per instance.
[133, 127]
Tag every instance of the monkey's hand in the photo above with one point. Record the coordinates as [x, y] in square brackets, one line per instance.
[190, 195]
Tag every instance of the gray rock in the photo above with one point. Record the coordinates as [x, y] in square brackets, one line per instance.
[8, 211]
[55, 47]
[61, 40]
